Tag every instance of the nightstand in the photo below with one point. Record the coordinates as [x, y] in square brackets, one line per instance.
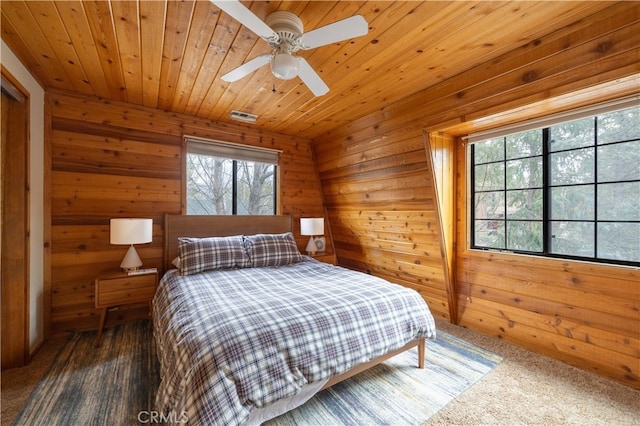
[325, 257]
[117, 289]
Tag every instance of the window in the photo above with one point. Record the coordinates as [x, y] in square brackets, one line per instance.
[570, 190]
[225, 179]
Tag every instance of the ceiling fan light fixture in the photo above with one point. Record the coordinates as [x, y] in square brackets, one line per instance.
[284, 66]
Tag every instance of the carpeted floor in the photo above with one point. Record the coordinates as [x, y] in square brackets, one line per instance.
[531, 389]
[524, 389]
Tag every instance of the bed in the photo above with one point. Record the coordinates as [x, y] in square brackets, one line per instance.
[247, 328]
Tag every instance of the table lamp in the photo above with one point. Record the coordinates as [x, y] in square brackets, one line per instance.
[314, 227]
[131, 231]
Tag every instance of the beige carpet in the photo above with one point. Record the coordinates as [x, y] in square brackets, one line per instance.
[17, 383]
[524, 389]
[530, 389]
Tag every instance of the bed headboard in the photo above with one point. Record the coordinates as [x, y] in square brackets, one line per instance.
[217, 226]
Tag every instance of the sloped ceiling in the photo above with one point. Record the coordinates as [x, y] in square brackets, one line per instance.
[170, 54]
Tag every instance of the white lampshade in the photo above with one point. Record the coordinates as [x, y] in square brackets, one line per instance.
[131, 231]
[284, 66]
[312, 226]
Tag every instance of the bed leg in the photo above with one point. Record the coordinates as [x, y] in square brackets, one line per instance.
[421, 345]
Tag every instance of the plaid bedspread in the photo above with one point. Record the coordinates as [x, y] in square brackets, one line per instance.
[232, 340]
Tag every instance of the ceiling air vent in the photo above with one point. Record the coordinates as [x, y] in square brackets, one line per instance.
[244, 116]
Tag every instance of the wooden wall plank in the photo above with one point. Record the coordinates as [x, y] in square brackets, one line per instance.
[112, 159]
[582, 313]
[602, 360]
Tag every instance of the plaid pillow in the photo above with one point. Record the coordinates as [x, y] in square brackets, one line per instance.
[272, 249]
[204, 254]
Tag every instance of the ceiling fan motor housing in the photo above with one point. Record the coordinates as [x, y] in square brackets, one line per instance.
[288, 27]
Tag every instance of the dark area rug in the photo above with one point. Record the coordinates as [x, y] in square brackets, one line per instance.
[110, 385]
[116, 384]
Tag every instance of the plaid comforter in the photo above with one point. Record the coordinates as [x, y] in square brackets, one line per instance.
[232, 340]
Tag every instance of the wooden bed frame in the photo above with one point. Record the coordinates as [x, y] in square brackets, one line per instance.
[219, 226]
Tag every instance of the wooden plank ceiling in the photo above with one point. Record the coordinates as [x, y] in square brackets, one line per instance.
[170, 54]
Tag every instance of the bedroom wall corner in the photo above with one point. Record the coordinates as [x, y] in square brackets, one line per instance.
[441, 153]
[380, 198]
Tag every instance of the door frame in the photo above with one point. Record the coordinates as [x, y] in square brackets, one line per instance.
[14, 186]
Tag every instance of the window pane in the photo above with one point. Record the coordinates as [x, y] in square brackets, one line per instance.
[619, 162]
[209, 184]
[619, 241]
[489, 177]
[525, 173]
[619, 201]
[572, 238]
[572, 203]
[489, 205]
[488, 151]
[547, 191]
[489, 233]
[574, 134]
[526, 144]
[524, 236]
[572, 167]
[525, 204]
[255, 188]
[619, 126]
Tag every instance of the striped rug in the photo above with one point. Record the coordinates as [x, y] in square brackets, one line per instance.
[115, 384]
[396, 392]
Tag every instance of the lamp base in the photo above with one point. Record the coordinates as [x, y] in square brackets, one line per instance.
[131, 260]
[311, 246]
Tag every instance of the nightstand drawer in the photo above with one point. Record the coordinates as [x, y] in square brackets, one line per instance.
[125, 283]
[125, 290]
[124, 297]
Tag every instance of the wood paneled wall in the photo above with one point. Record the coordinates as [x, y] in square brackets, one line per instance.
[111, 159]
[380, 194]
[583, 313]
[380, 201]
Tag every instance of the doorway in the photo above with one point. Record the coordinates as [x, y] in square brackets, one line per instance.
[14, 223]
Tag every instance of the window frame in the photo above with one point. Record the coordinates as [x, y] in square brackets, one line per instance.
[236, 153]
[547, 220]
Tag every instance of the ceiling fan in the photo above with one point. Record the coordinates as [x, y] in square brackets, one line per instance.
[283, 32]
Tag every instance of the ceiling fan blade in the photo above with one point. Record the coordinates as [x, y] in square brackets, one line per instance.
[345, 29]
[246, 17]
[311, 78]
[247, 68]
